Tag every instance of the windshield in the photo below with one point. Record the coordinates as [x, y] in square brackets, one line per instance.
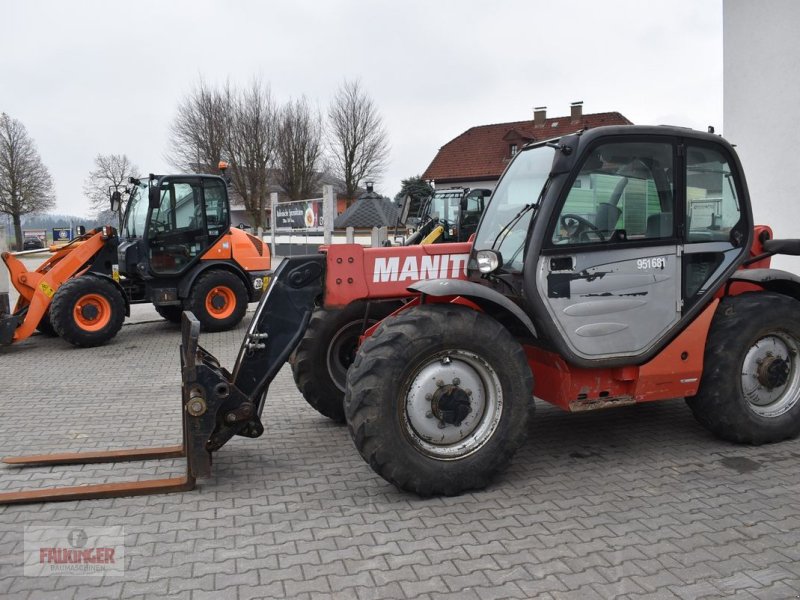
[505, 222]
[136, 215]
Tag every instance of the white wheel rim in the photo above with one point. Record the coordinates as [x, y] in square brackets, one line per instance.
[770, 395]
[454, 374]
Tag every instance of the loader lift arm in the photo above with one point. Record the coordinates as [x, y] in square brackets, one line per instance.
[216, 404]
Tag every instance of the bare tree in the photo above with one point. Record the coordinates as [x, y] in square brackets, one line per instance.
[200, 129]
[358, 140]
[111, 172]
[299, 149]
[250, 147]
[235, 125]
[25, 183]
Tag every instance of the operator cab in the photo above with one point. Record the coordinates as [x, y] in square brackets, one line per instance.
[170, 222]
[458, 210]
[612, 242]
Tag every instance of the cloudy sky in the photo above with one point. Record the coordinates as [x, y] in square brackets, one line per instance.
[89, 77]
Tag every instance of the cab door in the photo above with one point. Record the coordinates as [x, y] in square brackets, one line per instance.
[609, 274]
[193, 213]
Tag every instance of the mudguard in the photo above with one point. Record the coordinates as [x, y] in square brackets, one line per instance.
[773, 280]
[489, 300]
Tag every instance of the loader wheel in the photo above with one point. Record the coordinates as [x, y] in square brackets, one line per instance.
[321, 361]
[45, 326]
[87, 311]
[438, 399]
[750, 390]
[219, 300]
[171, 313]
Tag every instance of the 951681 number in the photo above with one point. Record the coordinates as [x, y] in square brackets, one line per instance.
[657, 262]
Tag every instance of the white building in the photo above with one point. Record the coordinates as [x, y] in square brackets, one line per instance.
[762, 108]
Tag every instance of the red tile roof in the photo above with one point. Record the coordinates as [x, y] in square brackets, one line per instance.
[483, 152]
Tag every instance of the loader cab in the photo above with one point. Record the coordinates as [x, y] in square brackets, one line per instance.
[613, 239]
[458, 210]
[170, 222]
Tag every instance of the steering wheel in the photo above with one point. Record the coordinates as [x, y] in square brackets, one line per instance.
[158, 226]
[576, 225]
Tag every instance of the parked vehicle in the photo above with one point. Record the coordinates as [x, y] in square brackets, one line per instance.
[615, 266]
[32, 243]
[177, 250]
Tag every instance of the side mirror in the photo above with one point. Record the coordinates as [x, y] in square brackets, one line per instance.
[81, 230]
[405, 209]
[116, 201]
[154, 195]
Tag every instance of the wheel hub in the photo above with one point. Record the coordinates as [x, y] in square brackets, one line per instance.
[218, 301]
[773, 372]
[451, 405]
[89, 311]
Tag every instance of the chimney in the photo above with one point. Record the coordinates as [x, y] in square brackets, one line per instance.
[539, 116]
[576, 111]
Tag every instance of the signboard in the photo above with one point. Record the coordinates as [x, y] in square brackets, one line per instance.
[301, 214]
[62, 234]
[37, 233]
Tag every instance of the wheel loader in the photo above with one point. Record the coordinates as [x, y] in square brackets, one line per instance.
[176, 250]
[614, 266]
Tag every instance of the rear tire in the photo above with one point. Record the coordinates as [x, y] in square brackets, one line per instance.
[750, 390]
[87, 311]
[219, 300]
[438, 399]
[171, 313]
[320, 363]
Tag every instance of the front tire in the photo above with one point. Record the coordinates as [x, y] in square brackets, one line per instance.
[45, 326]
[219, 300]
[750, 390]
[87, 311]
[329, 345]
[438, 399]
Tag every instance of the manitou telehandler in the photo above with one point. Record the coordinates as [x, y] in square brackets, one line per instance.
[328, 348]
[176, 250]
[614, 266]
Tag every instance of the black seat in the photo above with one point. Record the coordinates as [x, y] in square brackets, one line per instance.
[659, 226]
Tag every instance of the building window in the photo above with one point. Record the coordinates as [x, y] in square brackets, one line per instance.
[513, 150]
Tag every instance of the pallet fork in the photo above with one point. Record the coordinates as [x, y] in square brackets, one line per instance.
[216, 404]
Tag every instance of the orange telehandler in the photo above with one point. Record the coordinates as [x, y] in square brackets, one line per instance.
[615, 266]
[176, 250]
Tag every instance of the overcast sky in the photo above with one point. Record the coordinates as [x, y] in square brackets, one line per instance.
[106, 77]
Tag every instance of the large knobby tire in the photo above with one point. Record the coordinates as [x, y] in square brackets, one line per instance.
[750, 389]
[328, 348]
[218, 299]
[438, 399]
[45, 326]
[170, 312]
[87, 311]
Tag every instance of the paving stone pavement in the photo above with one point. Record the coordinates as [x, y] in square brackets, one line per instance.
[636, 502]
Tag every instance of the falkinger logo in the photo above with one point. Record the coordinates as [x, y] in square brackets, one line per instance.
[74, 551]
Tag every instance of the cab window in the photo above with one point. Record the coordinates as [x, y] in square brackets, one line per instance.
[712, 205]
[216, 208]
[623, 192]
